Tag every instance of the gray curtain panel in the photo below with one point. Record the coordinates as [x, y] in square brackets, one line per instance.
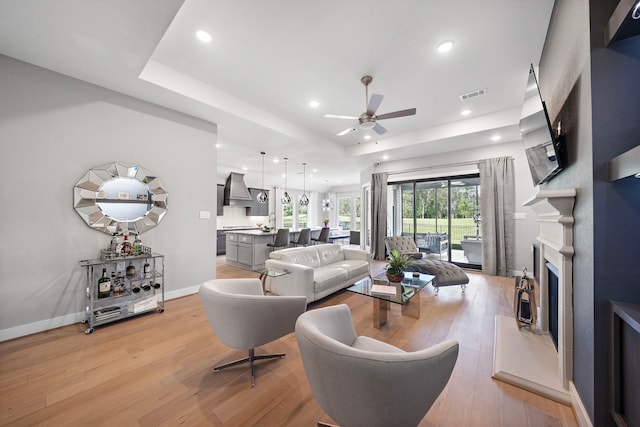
[497, 206]
[378, 214]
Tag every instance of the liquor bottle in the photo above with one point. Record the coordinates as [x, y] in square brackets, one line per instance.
[104, 285]
[146, 270]
[135, 288]
[145, 286]
[118, 246]
[114, 243]
[155, 284]
[131, 269]
[137, 246]
[126, 246]
[119, 285]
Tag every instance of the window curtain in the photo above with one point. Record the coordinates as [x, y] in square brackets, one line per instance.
[378, 214]
[497, 206]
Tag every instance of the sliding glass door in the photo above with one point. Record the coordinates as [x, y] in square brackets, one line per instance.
[441, 215]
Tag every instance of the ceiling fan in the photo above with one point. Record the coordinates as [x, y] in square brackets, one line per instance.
[369, 119]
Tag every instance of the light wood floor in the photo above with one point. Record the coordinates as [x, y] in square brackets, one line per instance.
[155, 370]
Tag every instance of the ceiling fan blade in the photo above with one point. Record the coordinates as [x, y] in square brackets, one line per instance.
[374, 103]
[379, 129]
[347, 131]
[401, 113]
[335, 116]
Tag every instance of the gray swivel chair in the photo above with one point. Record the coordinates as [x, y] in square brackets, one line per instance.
[282, 240]
[360, 381]
[242, 317]
[323, 237]
[304, 238]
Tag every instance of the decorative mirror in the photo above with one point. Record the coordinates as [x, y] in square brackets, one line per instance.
[119, 197]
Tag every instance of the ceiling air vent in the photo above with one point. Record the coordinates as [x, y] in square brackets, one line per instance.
[473, 94]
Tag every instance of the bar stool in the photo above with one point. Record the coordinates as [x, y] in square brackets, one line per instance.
[282, 240]
[304, 238]
[323, 237]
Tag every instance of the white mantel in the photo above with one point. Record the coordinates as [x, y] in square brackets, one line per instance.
[529, 359]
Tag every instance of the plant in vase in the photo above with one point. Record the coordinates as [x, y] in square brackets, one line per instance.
[396, 265]
[326, 223]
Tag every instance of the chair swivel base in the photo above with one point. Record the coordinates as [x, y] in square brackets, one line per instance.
[249, 359]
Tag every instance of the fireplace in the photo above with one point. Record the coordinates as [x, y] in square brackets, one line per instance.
[533, 359]
[552, 286]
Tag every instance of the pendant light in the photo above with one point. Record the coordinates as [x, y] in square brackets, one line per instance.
[286, 199]
[262, 196]
[304, 200]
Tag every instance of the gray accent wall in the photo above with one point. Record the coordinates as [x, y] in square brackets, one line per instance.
[53, 129]
[593, 90]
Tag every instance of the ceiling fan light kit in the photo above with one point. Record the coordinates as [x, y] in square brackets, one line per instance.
[369, 119]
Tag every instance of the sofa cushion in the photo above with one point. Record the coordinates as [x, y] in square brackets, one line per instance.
[328, 277]
[353, 267]
[329, 253]
[307, 256]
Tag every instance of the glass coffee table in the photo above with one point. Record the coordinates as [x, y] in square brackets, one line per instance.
[384, 293]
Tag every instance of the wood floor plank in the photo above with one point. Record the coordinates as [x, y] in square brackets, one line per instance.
[156, 369]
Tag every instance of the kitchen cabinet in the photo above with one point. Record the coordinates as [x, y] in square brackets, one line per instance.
[221, 242]
[220, 200]
[248, 249]
[254, 208]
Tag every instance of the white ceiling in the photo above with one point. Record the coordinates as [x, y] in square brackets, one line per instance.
[268, 60]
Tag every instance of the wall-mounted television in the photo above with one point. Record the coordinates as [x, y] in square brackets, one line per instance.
[542, 145]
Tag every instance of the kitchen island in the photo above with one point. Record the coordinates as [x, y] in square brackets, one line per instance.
[248, 248]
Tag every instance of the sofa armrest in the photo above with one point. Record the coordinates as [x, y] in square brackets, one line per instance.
[299, 281]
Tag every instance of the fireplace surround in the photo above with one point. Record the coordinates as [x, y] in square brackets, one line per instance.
[529, 359]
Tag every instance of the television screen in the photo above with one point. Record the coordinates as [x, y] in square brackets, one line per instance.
[540, 144]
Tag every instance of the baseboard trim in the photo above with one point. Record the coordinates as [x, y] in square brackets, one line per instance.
[581, 413]
[69, 319]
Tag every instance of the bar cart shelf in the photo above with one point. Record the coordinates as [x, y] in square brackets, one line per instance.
[136, 290]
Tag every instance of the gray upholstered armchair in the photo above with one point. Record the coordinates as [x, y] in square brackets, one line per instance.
[243, 318]
[404, 244]
[360, 381]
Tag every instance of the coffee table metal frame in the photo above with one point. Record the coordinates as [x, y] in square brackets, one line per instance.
[405, 291]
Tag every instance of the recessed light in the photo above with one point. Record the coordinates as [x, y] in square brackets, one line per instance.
[315, 171]
[445, 47]
[367, 137]
[244, 168]
[496, 138]
[465, 112]
[217, 145]
[203, 36]
[314, 104]
[385, 157]
[276, 160]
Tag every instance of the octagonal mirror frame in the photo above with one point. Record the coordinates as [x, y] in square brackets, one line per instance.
[118, 197]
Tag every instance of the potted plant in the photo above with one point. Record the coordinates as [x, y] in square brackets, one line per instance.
[326, 223]
[396, 265]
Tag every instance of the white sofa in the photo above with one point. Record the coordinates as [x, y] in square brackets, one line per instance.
[316, 271]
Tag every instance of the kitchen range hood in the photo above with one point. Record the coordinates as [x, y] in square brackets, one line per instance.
[236, 192]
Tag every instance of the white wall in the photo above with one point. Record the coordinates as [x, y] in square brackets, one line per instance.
[52, 130]
[525, 230]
